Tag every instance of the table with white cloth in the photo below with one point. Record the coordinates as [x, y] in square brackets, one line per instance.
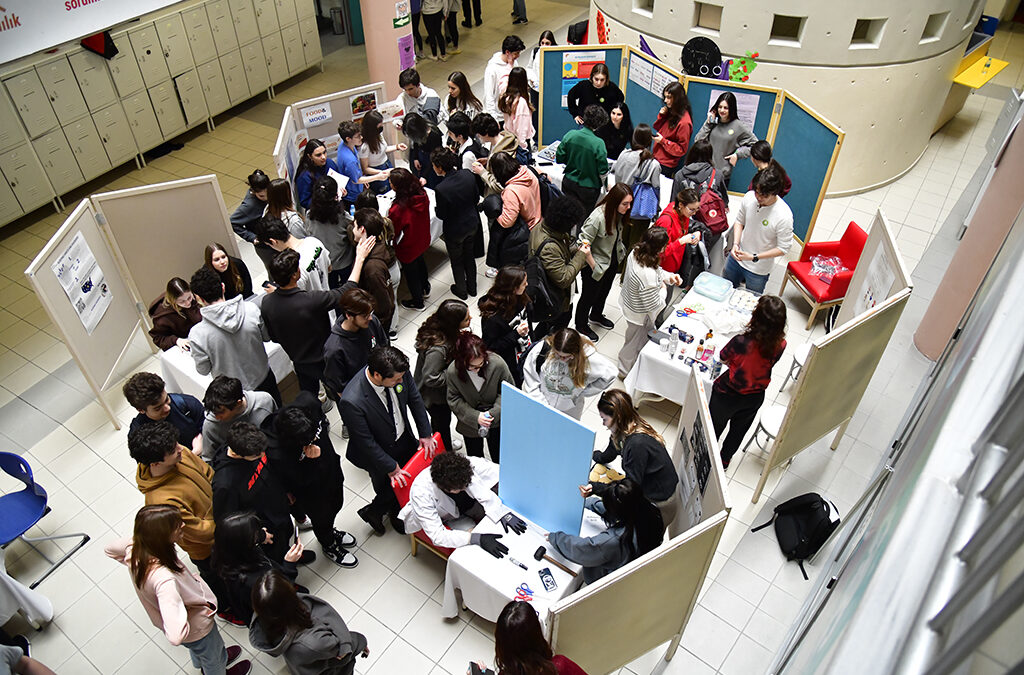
[181, 377]
[663, 373]
[557, 171]
[385, 200]
[487, 583]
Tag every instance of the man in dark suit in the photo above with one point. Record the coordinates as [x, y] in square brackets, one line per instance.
[374, 407]
[457, 195]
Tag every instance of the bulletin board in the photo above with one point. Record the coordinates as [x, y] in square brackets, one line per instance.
[807, 146]
[643, 80]
[699, 89]
[880, 272]
[555, 120]
[550, 457]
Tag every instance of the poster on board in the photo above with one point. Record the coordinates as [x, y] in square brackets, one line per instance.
[391, 110]
[406, 55]
[82, 280]
[576, 66]
[661, 79]
[746, 105]
[316, 115]
[641, 71]
[881, 274]
[362, 104]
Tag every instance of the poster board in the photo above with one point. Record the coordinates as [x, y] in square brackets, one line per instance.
[807, 145]
[551, 458]
[554, 120]
[99, 353]
[286, 157]
[643, 80]
[159, 231]
[879, 274]
[833, 380]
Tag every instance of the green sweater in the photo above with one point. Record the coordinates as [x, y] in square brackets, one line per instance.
[584, 156]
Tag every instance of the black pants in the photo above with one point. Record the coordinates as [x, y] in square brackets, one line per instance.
[309, 376]
[337, 278]
[323, 499]
[476, 11]
[415, 278]
[586, 195]
[475, 446]
[213, 580]
[441, 422]
[265, 253]
[435, 36]
[460, 255]
[416, 31]
[546, 328]
[384, 502]
[269, 385]
[452, 24]
[736, 410]
[595, 292]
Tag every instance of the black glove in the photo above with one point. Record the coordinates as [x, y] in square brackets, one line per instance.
[511, 521]
[490, 543]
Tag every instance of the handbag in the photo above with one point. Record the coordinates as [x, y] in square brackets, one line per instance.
[645, 200]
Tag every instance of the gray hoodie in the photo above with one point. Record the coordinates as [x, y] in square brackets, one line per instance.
[313, 651]
[229, 341]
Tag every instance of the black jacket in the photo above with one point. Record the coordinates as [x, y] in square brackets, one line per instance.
[345, 353]
[301, 476]
[245, 217]
[584, 94]
[457, 195]
[244, 485]
[239, 585]
[502, 339]
[645, 461]
[229, 283]
[300, 320]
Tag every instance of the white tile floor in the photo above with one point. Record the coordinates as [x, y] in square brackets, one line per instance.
[750, 599]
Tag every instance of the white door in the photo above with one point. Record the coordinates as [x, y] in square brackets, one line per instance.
[149, 55]
[245, 21]
[215, 90]
[286, 12]
[234, 76]
[293, 49]
[277, 64]
[61, 86]
[124, 68]
[190, 91]
[174, 42]
[255, 67]
[138, 108]
[9, 207]
[25, 175]
[167, 109]
[31, 102]
[266, 17]
[93, 78]
[310, 40]
[88, 148]
[306, 9]
[222, 26]
[11, 132]
[199, 33]
[116, 134]
[58, 161]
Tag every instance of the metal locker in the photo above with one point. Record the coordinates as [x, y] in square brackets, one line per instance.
[255, 67]
[88, 148]
[306, 9]
[31, 102]
[174, 42]
[61, 86]
[124, 68]
[200, 35]
[266, 17]
[167, 109]
[311, 49]
[9, 207]
[286, 12]
[25, 175]
[234, 76]
[142, 120]
[245, 21]
[116, 134]
[190, 91]
[93, 78]
[59, 162]
[11, 132]
[293, 49]
[222, 26]
[149, 55]
[277, 65]
[215, 89]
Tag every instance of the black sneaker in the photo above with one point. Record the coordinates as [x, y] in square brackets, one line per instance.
[396, 523]
[467, 24]
[409, 304]
[343, 538]
[602, 321]
[460, 294]
[374, 520]
[426, 292]
[587, 331]
[307, 558]
[520, 22]
[340, 556]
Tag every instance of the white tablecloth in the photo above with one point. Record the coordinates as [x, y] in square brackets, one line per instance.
[181, 377]
[556, 171]
[487, 584]
[385, 200]
[17, 597]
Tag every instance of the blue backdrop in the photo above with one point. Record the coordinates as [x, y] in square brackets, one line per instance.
[556, 120]
[643, 103]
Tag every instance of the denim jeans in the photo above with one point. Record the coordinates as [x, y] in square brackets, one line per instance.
[209, 653]
[736, 273]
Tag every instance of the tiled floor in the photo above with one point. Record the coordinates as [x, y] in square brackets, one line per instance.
[48, 414]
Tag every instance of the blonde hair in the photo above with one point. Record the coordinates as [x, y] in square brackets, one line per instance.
[569, 341]
[176, 288]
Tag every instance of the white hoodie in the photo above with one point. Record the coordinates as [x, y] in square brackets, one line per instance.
[553, 385]
[495, 79]
[229, 341]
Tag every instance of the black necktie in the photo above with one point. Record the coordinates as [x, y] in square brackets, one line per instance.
[391, 409]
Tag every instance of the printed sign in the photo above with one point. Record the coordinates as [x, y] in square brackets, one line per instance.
[576, 67]
[316, 115]
[746, 105]
[83, 282]
[363, 103]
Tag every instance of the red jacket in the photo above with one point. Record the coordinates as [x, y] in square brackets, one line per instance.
[412, 227]
[674, 140]
[677, 226]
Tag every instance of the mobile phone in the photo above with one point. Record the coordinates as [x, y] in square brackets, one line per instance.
[475, 669]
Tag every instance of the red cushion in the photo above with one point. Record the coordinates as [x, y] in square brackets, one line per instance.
[418, 463]
[852, 245]
[422, 536]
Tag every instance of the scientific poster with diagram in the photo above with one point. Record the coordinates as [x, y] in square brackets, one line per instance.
[746, 105]
[576, 67]
[83, 282]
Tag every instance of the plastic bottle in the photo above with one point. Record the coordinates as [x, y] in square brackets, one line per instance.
[484, 430]
[700, 351]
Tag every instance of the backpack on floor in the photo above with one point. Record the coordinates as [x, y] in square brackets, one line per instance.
[802, 525]
[546, 297]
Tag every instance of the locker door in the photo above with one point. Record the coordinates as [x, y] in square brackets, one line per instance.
[116, 134]
[190, 91]
[310, 40]
[266, 17]
[222, 26]
[167, 109]
[245, 20]
[32, 103]
[255, 67]
[277, 65]
[61, 86]
[149, 55]
[88, 148]
[286, 12]
[234, 76]
[11, 132]
[142, 120]
[93, 78]
[215, 89]
[9, 207]
[200, 35]
[124, 68]
[174, 42]
[293, 49]
[25, 175]
[58, 161]
[306, 9]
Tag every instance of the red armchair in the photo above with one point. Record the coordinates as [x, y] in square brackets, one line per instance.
[414, 466]
[819, 294]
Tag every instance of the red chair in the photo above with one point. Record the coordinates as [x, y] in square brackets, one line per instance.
[414, 466]
[819, 294]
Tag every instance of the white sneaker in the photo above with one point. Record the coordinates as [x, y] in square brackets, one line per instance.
[305, 524]
[491, 273]
[456, 444]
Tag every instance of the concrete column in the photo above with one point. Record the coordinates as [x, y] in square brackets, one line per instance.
[383, 54]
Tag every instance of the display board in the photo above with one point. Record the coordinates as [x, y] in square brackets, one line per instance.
[557, 74]
[286, 155]
[880, 273]
[643, 80]
[807, 146]
[755, 103]
[833, 380]
[98, 352]
[550, 455]
[159, 231]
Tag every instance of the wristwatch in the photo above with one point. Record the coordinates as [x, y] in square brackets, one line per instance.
[755, 257]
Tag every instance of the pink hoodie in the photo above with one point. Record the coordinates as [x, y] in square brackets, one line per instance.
[521, 197]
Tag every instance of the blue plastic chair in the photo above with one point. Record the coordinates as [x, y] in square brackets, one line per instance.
[19, 511]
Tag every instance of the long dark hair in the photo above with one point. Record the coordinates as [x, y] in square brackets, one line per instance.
[627, 120]
[519, 644]
[767, 325]
[518, 87]
[279, 197]
[680, 103]
[618, 405]
[611, 201]
[236, 546]
[466, 98]
[277, 607]
[405, 184]
[306, 161]
[730, 100]
[152, 541]
[651, 246]
[372, 134]
[467, 348]
[700, 152]
[642, 138]
[501, 299]
[232, 273]
[762, 152]
[257, 180]
[323, 201]
[625, 506]
[442, 327]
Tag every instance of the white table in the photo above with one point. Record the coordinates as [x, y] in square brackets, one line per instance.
[557, 171]
[181, 377]
[385, 200]
[487, 584]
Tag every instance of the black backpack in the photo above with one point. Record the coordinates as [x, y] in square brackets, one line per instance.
[546, 297]
[548, 190]
[802, 525]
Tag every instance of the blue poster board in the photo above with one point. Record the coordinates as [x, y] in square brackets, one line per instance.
[555, 120]
[698, 90]
[545, 456]
[642, 83]
[806, 148]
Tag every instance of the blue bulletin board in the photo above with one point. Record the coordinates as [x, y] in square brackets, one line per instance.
[806, 145]
[545, 456]
[698, 90]
[642, 83]
[555, 120]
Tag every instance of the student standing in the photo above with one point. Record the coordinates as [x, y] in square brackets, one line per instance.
[675, 220]
[598, 89]
[457, 197]
[375, 278]
[348, 161]
[234, 273]
[225, 403]
[173, 314]
[313, 163]
[314, 260]
[563, 370]
[730, 138]
[602, 230]
[435, 13]
[514, 104]
[435, 349]
[147, 393]
[473, 380]
[476, 12]
[560, 257]
[417, 97]
[696, 173]
[506, 318]
[497, 141]
[355, 332]
[638, 169]
[280, 206]
[373, 153]
[410, 215]
[468, 150]
[761, 158]
[585, 158]
[424, 137]
[460, 98]
[327, 221]
[673, 126]
[497, 70]
[643, 295]
[246, 216]
[762, 232]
